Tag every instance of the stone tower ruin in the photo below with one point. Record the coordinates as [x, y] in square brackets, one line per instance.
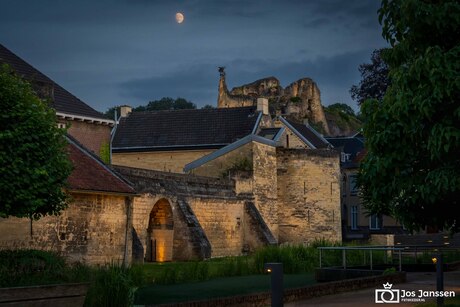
[300, 101]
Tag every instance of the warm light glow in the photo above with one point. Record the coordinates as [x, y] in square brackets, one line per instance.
[180, 17]
[434, 260]
[269, 270]
[160, 253]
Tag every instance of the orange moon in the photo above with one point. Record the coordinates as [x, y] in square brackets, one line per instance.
[179, 17]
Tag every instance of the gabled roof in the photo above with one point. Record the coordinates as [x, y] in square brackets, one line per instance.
[269, 133]
[63, 101]
[224, 150]
[307, 134]
[184, 129]
[91, 174]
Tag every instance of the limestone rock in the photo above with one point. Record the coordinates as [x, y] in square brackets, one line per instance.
[300, 101]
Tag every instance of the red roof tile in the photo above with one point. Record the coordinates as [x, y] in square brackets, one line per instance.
[90, 174]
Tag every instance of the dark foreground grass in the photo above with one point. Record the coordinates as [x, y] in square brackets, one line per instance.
[215, 288]
[448, 302]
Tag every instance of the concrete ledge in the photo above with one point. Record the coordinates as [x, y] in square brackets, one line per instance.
[296, 294]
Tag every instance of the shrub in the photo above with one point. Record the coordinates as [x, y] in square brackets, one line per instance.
[114, 285]
[31, 267]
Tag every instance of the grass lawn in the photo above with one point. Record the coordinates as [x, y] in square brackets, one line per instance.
[214, 288]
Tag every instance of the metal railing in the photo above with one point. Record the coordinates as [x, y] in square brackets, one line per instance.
[344, 250]
[400, 250]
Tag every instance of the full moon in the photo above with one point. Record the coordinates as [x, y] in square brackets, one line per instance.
[179, 17]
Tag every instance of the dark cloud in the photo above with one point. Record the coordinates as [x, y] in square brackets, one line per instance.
[196, 83]
[130, 51]
[199, 83]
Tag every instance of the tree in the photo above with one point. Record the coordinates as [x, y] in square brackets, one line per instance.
[165, 103]
[374, 79]
[34, 165]
[110, 113]
[341, 108]
[412, 168]
[207, 107]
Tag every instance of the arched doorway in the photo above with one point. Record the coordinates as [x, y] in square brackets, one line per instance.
[160, 233]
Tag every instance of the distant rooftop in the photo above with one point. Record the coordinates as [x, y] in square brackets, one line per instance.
[62, 100]
[184, 129]
[310, 134]
[91, 174]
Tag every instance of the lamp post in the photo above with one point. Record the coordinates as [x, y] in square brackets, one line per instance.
[276, 284]
[439, 278]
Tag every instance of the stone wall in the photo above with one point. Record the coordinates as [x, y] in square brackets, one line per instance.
[223, 222]
[265, 184]
[221, 166]
[93, 136]
[165, 161]
[205, 210]
[308, 195]
[93, 229]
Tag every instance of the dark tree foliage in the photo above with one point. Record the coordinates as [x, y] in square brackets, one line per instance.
[374, 79]
[412, 169]
[342, 108]
[208, 106]
[110, 113]
[34, 165]
[165, 103]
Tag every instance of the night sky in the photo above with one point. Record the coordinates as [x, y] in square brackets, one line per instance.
[113, 52]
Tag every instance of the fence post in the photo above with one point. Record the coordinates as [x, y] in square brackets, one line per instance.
[344, 258]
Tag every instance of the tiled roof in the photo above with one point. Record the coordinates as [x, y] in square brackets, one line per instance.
[204, 128]
[63, 101]
[310, 134]
[91, 174]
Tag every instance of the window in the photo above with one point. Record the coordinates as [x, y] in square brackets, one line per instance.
[353, 186]
[61, 125]
[375, 222]
[354, 217]
[344, 157]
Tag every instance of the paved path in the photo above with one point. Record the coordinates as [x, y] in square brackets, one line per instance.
[366, 297]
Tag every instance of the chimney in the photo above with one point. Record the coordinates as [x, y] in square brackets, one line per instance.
[262, 105]
[125, 110]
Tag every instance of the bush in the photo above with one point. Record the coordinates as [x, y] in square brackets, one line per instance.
[110, 285]
[32, 267]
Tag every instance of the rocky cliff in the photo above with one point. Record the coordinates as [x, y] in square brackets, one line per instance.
[300, 101]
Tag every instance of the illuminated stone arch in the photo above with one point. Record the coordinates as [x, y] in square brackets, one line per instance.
[160, 232]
